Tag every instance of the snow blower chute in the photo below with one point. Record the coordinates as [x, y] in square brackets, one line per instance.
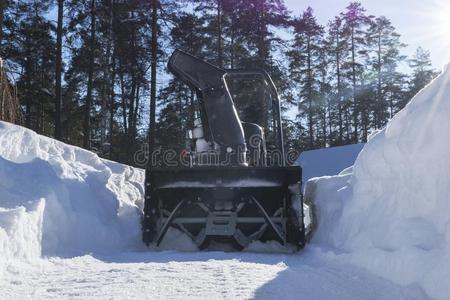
[231, 183]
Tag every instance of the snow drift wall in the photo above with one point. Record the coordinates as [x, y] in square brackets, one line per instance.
[21, 233]
[57, 199]
[392, 215]
[327, 161]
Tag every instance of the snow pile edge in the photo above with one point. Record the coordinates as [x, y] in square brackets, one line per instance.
[392, 215]
[21, 233]
[57, 199]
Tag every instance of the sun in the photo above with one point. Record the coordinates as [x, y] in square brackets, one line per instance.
[430, 28]
[442, 21]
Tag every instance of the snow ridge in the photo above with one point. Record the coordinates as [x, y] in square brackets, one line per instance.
[392, 216]
[58, 199]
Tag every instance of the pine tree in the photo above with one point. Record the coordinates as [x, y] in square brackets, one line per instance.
[88, 104]
[154, 49]
[214, 17]
[385, 45]
[58, 62]
[345, 83]
[177, 99]
[355, 23]
[31, 53]
[423, 71]
[337, 49]
[304, 65]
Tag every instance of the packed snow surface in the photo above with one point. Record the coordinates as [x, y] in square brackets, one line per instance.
[327, 161]
[199, 275]
[392, 215]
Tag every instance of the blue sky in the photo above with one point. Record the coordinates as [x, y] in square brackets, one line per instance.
[423, 23]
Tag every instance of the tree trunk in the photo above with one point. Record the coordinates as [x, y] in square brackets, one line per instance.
[112, 75]
[38, 122]
[112, 105]
[355, 104]
[348, 124]
[330, 120]
[232, 38]
[219, 35]
[154, 49]
[136, 107]
[379, 102]
[27, 85]
[310, 102]
[131, 116]
[324, 128]
[364, 113]
[106, 63]
[262, 49]
[2, 8]
[339, 91]
[326, 109]
[58, 71]
[123, 99]
[28, 112]
[232, 54]
[87, 113]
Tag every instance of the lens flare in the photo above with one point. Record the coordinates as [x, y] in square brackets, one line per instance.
[430, 24]
[442, 19]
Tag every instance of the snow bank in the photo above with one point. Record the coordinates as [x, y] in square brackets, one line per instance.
[328, 161]
[57, 199]
[20, 233]
[392, 215]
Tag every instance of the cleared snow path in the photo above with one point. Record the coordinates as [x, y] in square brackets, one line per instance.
[207, 275]
[69, 229]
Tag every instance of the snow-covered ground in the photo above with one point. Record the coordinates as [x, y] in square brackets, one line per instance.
[69, 228]
[65, 196]
[69, 225]
[206, 275]
[392, 215]
[327, 161]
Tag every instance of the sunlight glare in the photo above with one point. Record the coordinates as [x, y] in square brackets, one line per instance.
[443, 19]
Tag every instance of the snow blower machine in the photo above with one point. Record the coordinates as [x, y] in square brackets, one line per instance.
[231, 184]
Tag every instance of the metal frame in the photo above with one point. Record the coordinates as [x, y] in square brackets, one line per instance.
[225, 223]
[264, 203]
[249, 74]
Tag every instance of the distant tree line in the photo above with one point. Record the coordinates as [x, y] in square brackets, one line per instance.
[93, 73]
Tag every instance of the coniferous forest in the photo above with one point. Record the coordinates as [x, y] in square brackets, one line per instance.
[93, 73]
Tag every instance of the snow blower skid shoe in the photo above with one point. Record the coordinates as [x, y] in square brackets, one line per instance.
[235, 205]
